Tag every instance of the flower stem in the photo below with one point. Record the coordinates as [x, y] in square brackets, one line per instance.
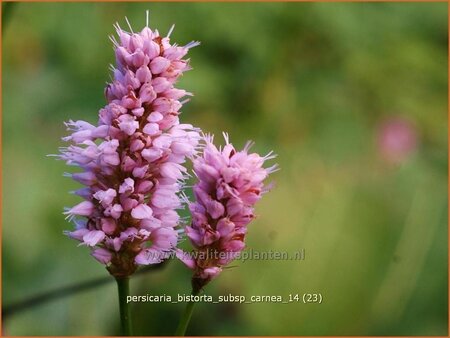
[184, 322]
[123, 285]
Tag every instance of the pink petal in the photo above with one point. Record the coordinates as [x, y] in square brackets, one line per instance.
[142, 211]
[108, 225]
[102, 255]
[84, 208]
[159, 65]
[93, 237]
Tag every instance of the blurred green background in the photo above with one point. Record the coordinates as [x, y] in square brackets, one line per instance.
[315, 83]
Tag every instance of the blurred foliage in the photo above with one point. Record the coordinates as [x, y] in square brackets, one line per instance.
[312, 81]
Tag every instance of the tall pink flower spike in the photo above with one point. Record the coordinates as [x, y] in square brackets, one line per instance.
[132, 159]
[229, 184]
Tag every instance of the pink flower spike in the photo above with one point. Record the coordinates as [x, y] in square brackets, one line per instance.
[131, 159]
[229, 184]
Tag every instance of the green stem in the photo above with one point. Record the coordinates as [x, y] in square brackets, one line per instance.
[9, 310]
[184, 322]
[123, 284]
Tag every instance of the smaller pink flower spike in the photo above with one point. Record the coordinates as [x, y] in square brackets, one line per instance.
[229, 184]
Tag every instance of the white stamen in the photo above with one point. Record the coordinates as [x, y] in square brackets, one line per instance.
[147, 14]
[273, 169]
[129, 26]
[192, 44]
[170, 30]
[269, 156]
[248, 145]
[184, 198]
[226, 137]
[117, 27]
[113, 40]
